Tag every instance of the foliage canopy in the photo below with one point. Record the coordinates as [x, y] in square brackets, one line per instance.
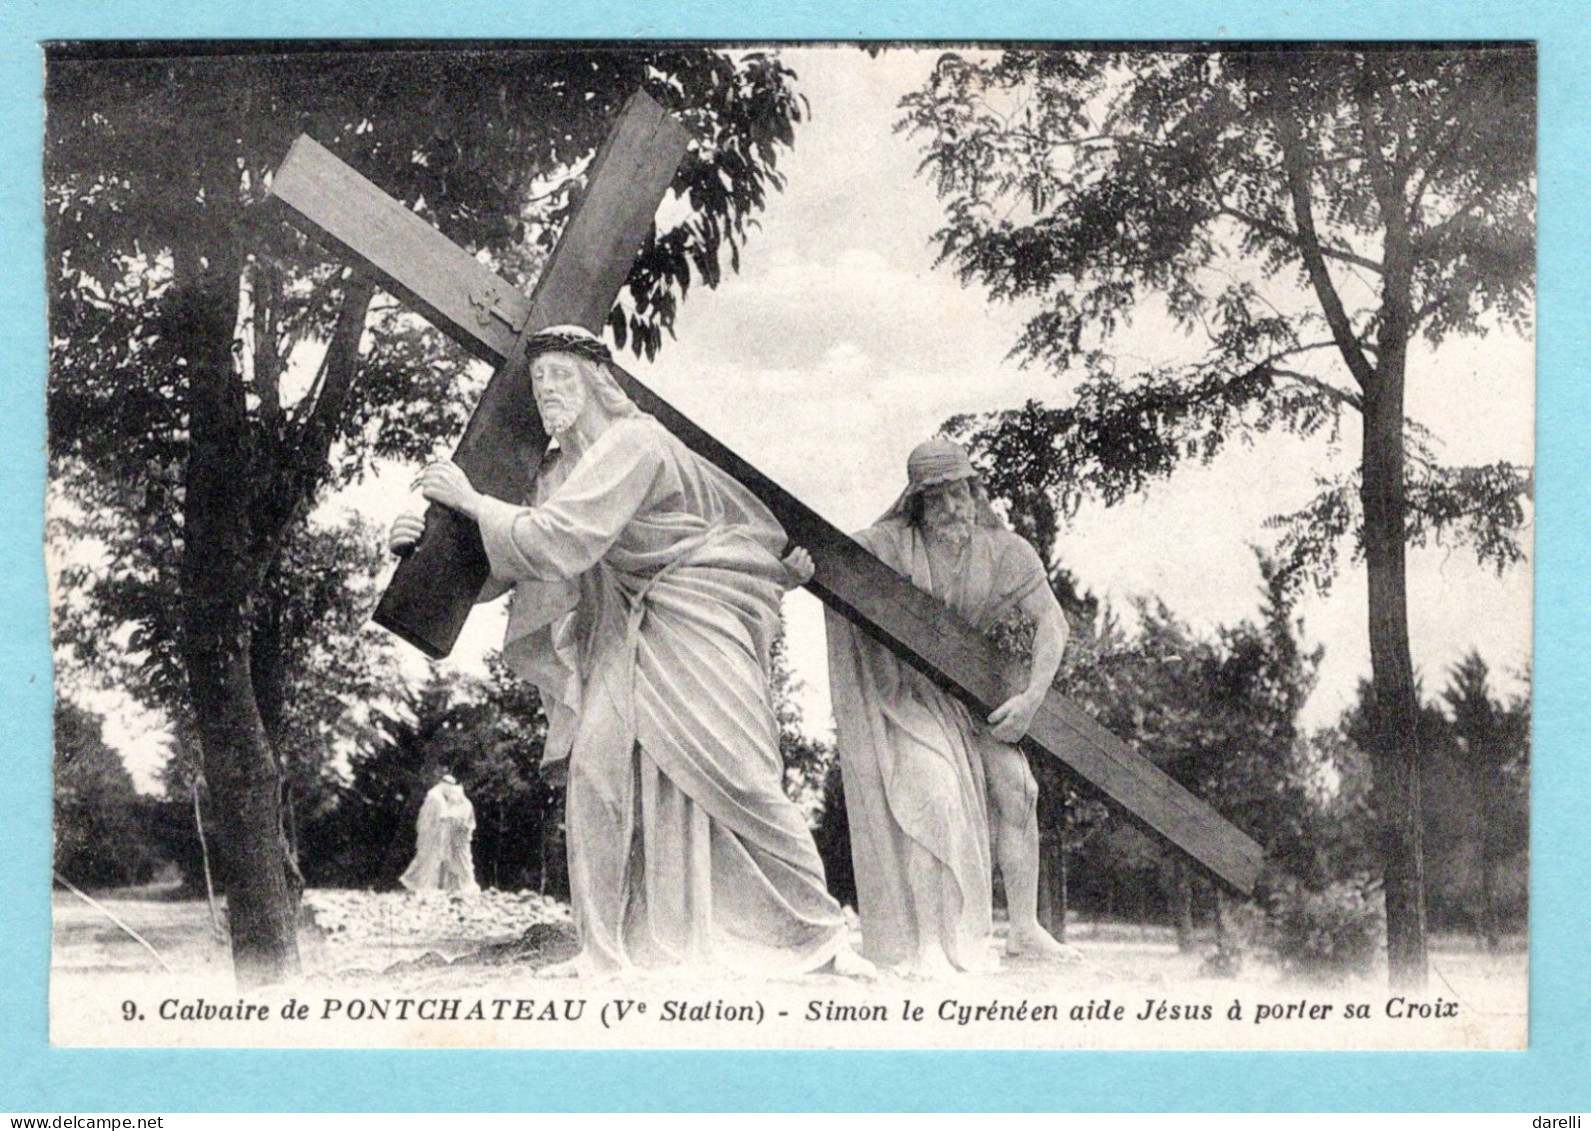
[1247, 195]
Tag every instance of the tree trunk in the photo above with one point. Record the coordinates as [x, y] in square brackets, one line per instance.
[1394, 742]
[1052, 887]
[1491, 912]
[204, 858]
[1062, 883]
[497, 849]
[544, 838]
[266, 664]
[1066, 889]
[1394, 753]
[1182, 900]
[242, 490]
[218, 581]
[241, 771]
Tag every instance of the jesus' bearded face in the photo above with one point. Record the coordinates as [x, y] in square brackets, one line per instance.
[560, 389]
[948, 512]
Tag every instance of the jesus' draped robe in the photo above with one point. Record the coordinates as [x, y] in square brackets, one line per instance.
[647, 587]
[910, 754]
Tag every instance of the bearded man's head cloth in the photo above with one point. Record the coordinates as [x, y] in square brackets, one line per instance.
[933, 464]
[593, 359]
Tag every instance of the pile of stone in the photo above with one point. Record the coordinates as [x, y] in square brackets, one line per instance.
[406, 919]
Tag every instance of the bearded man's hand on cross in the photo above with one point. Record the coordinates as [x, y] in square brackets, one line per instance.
[1011, 719]
[798, 567]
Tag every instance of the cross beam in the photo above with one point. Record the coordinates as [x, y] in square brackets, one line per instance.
[421, 265]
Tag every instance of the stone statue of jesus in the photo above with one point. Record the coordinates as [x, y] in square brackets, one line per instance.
[646, 597]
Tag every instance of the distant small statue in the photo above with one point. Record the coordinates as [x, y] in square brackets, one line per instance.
[442, 858]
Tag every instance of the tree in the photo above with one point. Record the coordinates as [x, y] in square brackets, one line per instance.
[1307, 215]
[806, 759]
[1220, 714]
[324, 657]
[522, 842]
[315, 647]
[1493, 740]
[101, 834]
[1475, 750]
[183, 326]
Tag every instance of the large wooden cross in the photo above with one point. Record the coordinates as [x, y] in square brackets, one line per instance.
[435, 587]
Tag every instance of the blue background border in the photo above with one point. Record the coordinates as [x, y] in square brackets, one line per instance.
[1554, 1075]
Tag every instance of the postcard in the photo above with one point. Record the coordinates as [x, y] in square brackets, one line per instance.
[791, 545]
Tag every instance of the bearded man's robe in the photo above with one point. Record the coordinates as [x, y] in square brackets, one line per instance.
[910, 755]
[647, 588]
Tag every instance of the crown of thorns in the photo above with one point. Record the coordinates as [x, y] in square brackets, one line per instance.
[568, 339]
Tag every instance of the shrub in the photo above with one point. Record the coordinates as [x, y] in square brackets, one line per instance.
[1330, 934]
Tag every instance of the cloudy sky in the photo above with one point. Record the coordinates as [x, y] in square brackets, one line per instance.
[839, 346]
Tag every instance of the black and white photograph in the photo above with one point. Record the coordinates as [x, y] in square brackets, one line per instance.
[796, 545]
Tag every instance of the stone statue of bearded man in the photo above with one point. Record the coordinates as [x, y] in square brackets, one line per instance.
[927, 785]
